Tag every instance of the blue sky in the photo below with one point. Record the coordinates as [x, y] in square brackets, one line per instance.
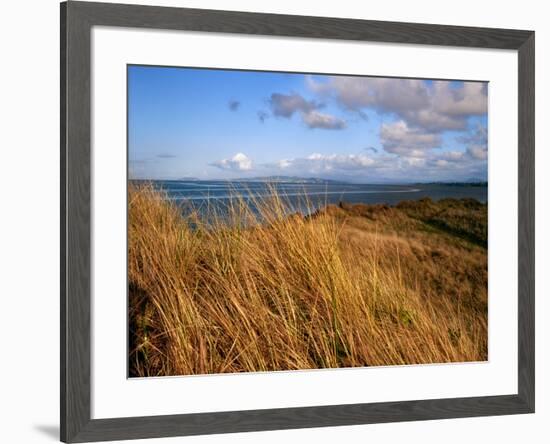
[219, 124]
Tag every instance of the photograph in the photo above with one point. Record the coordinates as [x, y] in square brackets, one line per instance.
[283, 221]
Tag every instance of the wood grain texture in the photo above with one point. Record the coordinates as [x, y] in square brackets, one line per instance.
[292, 418]
[526, 223]
[75, 293]
[77, 18]
[62, 216]
[299, 26]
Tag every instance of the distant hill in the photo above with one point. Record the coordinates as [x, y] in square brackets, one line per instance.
[189, 178]
[278, 179]
[316, 180]
[457, 184]
[287, 179]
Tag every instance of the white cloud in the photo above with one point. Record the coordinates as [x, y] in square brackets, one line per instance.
[284, 163]
[414, 162]
[431, 120]
[338, 161]
[453, 156]
[478, 151]
[315, 119]
[384, 94]
[479, 136]
[477, 143]
[323, 164]
[419, 166]
[286, 105]
[437, 107]
[239, 162]
[399, 138]
[470, 99]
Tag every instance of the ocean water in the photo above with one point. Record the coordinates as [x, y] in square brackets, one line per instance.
[304, 197]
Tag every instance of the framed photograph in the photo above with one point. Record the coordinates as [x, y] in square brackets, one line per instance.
[274, 222]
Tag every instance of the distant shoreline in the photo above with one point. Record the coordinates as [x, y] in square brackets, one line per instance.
[313, 181]
[314, 194]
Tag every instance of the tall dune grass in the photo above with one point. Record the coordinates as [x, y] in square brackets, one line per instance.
[257, 289]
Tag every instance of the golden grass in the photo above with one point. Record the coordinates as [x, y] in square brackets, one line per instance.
[262, 291]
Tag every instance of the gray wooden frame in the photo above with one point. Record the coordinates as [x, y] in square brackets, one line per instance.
[77, 19]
